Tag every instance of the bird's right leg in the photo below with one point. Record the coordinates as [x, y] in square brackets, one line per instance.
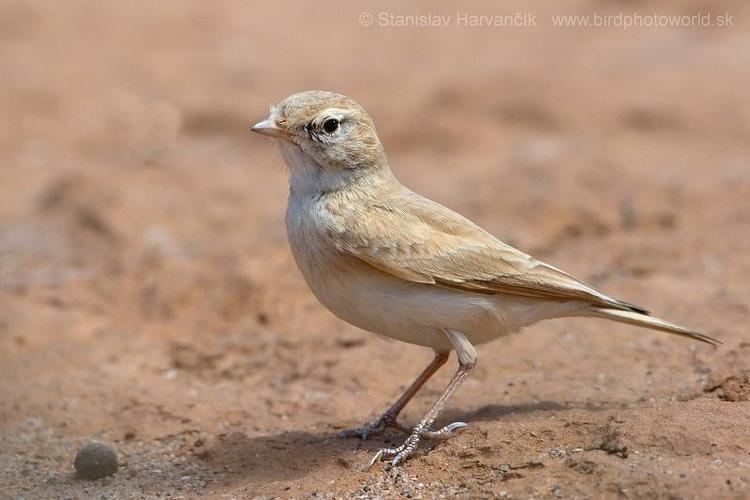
[388, 419]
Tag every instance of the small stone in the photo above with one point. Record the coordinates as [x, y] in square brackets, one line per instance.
[95, 460]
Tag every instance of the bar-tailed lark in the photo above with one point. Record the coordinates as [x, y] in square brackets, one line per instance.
[390, 261]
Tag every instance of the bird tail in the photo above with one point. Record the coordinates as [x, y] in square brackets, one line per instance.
[643, 320]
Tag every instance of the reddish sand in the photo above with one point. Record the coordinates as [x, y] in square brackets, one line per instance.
[148, 298]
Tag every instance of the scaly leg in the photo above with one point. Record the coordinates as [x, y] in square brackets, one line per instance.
[388, 419]
[467, 359]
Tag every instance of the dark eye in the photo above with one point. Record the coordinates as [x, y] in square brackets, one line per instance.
[331, 125]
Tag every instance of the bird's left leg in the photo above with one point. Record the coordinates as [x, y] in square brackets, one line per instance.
[388, 419]
[467, 357]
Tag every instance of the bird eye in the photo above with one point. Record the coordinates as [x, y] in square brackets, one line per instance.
[331, 125]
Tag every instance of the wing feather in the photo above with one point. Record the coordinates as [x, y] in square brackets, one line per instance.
[418, 240]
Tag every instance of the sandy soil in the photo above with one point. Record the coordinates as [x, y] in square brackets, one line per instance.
[148, 298]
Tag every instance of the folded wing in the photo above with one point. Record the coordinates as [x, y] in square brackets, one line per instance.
[421, 241]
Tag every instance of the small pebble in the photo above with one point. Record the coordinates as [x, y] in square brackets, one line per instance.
[95, 460]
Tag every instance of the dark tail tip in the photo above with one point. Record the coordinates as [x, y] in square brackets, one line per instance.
[635, 308]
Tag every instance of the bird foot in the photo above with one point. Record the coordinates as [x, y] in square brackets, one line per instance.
[409, 447]
[374, 428]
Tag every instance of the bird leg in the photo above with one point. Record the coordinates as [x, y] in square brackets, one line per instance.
[388, 419]
[421, 430]
[467, 360]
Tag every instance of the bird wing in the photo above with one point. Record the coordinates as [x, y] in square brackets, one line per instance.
[418, 240]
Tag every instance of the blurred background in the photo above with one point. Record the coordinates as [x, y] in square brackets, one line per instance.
[148, 298]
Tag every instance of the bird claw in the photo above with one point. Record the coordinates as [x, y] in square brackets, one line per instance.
[374, 459]
[409, 446]
[445, 432]
[373, 428]
[402, 452]
[361, 432]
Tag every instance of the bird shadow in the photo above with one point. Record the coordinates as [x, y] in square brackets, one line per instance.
[497, 411]
[238, 458]
[492, 412]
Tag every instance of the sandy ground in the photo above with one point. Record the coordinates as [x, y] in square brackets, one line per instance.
[148, 298]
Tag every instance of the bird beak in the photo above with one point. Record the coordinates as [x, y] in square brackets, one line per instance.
[268, 127]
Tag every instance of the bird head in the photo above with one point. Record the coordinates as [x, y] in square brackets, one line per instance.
[330, 130]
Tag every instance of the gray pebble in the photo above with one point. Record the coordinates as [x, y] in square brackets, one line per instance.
[96, 460]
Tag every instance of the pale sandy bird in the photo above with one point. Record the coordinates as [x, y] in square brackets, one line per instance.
[387, 260]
